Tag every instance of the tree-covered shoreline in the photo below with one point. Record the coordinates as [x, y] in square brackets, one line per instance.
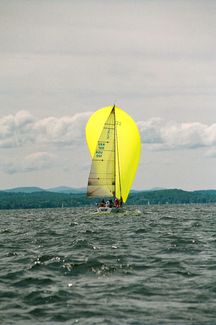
[45, 199]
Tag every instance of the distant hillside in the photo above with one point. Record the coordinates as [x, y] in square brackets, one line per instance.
[66, 189]
[24, 189]
[58, 189]
[46, 199]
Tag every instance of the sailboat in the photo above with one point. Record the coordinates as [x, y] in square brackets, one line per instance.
[114, 143]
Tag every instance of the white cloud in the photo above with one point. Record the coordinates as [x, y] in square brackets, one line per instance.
[63, 130]
[160, 134]
[22, 128]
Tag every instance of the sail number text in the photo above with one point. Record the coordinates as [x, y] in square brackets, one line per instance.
[99, 151]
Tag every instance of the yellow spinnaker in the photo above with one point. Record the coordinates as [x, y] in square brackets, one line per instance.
[127, 145]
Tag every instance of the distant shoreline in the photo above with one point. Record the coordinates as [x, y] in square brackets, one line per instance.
[45, 199]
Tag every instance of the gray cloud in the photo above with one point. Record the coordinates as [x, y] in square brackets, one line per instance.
[139, 27]
[36, 161]
[152, 58]
[155, 57]
[211, 153]
[16, 130]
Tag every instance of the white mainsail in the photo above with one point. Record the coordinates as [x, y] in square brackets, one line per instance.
[101, 182]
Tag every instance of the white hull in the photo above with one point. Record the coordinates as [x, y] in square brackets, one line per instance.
[104, 209]
[108, 210]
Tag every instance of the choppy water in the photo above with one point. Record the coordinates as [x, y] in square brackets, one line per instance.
[153, 266]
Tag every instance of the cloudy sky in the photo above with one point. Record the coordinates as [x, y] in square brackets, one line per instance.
[60, 60]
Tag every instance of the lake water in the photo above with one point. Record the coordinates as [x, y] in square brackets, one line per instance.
[148, 265]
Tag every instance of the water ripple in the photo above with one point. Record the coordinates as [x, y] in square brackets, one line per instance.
[152, 265]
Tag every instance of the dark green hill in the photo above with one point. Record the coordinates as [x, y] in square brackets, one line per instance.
[42, 199]
[45, 199]
[172, 196]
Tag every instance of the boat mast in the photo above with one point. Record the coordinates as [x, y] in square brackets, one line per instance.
[114, 151]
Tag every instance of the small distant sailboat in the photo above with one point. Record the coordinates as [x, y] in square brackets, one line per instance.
[114, 143]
